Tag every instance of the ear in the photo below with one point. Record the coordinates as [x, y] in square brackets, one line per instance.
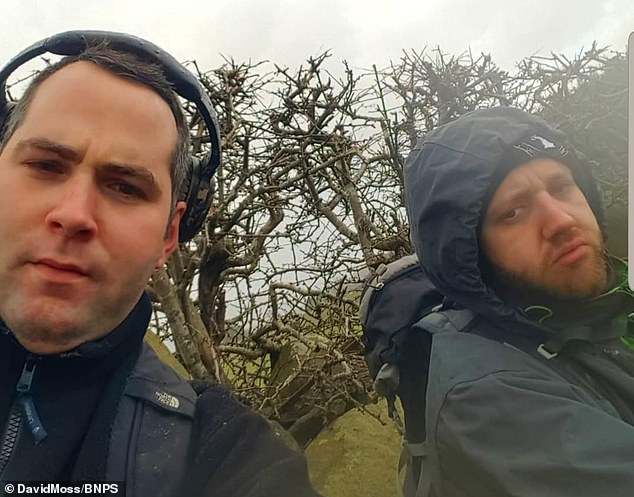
[171, 236]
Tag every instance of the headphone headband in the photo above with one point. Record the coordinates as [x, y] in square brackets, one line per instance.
[184, 83]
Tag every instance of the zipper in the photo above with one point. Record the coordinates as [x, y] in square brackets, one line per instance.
[23, 407]
[25, 399]
[10, 436]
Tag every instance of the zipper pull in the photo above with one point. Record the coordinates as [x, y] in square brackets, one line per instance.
[25, 398]
[26, 378]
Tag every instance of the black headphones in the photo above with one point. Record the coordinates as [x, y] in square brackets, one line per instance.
[198, 185]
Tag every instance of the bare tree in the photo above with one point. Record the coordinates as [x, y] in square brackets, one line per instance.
[310, 195]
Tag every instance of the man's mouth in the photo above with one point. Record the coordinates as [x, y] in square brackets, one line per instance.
[571, 252]
[59, 271]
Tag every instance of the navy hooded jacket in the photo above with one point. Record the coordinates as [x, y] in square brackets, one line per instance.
[501, 421]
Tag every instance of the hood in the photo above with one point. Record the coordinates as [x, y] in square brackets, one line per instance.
[447, 177]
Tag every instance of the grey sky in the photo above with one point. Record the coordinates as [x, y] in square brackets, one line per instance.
[362, 32]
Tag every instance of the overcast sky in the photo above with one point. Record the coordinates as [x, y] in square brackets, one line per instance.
[363, 32]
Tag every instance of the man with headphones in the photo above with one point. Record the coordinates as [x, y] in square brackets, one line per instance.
[97, 187]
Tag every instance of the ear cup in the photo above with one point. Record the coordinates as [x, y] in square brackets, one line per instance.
[197, 192]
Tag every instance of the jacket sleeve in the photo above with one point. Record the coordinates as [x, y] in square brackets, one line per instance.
[511, 434]
[235, 453]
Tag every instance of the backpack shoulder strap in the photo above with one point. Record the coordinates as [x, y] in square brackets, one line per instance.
[413, 469]
[379, 277]
[447, 320]
[413, 482]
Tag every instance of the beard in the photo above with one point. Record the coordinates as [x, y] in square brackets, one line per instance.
[522, 288]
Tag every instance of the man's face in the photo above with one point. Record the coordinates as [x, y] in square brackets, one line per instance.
[540, 233]
[84, 207]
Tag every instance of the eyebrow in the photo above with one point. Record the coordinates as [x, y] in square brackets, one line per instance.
[136, 172]
[521, 193]
[71, 155]
[48, 146]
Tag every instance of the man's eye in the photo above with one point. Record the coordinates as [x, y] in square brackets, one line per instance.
[127, 190]
[561, 187]
[511, 214]
[45, 166]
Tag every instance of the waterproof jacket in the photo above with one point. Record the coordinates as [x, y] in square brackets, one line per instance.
[502, 419]
[110, 410]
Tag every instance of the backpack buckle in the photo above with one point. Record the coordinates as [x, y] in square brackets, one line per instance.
[545, 353]
[377, 282]
[386, 385]
[387, 380]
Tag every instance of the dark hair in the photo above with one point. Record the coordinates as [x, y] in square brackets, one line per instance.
[128, 66]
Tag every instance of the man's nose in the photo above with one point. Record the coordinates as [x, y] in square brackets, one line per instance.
[556, 218]
[73, 213]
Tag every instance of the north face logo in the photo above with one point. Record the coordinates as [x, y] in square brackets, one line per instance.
[537, 145]
[546, 144]
[167, 399]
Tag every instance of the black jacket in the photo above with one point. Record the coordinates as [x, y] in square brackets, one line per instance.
[502, 421]
[111, 410]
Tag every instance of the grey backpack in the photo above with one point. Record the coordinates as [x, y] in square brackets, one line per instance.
[397, 346]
